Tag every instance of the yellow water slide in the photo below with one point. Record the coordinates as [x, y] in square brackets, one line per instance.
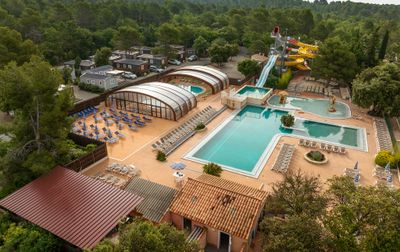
[305, 51]
[308, 46]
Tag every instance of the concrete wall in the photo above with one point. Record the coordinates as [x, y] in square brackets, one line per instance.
[177, 221]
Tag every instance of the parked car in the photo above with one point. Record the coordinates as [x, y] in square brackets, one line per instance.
[129, 75]
[155, 69]
[174, 62]
[193, 58]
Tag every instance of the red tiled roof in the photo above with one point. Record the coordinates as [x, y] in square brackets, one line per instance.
[72, 206]
[220, 204]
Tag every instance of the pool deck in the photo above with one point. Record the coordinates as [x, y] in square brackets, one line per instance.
[136, 149]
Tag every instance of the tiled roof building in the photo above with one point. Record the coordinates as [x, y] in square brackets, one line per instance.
[220, 205]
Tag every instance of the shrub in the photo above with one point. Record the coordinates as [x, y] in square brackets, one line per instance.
[200, 126]
[383, 157]
[212, 169]
[161, 156]
[91, 88]
[284, 80]
[316, 156]
[287, 120]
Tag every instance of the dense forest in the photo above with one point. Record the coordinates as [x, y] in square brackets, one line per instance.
[64, 29]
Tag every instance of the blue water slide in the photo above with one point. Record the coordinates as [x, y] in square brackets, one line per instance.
[265, 72]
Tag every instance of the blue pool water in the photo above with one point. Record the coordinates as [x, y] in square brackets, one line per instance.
[244, 139]
[316, 106]
[193, 89]
[253, 90]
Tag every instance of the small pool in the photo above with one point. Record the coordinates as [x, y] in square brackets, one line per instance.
[248, 90]
[193, 89]
[244, 142]
[315, 106]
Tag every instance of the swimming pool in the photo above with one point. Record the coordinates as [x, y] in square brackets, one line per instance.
[315, 106]
[244, 142]
[250, 90]
[193, 89]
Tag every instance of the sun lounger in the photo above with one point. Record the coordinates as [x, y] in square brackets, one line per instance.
[313, 144]
[119, 134]
[336, 149]
[302, 142]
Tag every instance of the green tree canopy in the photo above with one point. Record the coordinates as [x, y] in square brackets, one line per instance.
[384, 44]
[145, 237]
[342, 218]
[220, 51]
[201, 45]
[41, 122]
[102, 55]
[167, 35]
[335, 61]
[248, 67]
[379, 88]
[25, 237]
[14, 48]
[364, 219]
[126, 37]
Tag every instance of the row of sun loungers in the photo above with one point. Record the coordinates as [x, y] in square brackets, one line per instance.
[382, 134]
[284, 158]
[127, 170]
[176, 137]
[111, 179]
[322, 146]
[86, 112]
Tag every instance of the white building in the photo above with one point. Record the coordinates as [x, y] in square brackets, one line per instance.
[100, 80]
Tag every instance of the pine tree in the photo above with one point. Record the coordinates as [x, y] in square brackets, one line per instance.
[382, 50]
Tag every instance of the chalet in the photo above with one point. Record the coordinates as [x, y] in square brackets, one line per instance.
[138, 67]
[157, 60]
[129, 54]
[100, 70]
[179, 51]
[84, 65]
[100, 80]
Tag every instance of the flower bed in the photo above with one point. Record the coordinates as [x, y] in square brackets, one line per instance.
[315, 157]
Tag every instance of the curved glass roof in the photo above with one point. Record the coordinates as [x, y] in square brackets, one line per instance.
[211, 71]
[209, 79]
[175, 97]
[183, 93]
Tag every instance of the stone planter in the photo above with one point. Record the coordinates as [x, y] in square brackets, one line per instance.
[315, 162]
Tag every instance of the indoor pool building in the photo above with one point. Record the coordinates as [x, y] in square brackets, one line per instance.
[157, 99]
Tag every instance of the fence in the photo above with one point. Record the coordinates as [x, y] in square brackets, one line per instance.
[97, 154]
[98, 99]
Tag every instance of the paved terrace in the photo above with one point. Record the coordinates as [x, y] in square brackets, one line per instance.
[136, 149]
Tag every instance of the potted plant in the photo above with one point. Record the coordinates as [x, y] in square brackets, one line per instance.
[212, 169]
[287, 120]
[200, 127]
[316, 157]
[161, 156]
